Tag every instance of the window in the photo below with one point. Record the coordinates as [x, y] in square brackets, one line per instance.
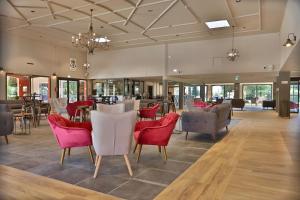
[223, 91]
[256, 93]
[17, 86]
[294, 96]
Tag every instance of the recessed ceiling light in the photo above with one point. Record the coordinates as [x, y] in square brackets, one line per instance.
[69, 76]
[217, 24]
[32, 11]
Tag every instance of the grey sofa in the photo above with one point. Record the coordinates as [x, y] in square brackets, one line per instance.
[6, 121]
[207, 120]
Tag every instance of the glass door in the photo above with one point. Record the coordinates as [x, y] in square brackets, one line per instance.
[68, 88]
[73, 91]
[40, 86]
[294, 96]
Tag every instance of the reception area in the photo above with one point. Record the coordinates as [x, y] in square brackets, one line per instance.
[149, 99]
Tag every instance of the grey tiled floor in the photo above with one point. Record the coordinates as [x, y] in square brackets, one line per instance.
[38, 153]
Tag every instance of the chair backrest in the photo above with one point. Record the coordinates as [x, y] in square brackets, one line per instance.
[112, 133]
[115, 108]
[136, 105]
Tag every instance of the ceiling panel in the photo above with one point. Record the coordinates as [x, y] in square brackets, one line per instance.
[145, 15]
[244, 7]
[116, 4]
[177, 24]
[176, 30]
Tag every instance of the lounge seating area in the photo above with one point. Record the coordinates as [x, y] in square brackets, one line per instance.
[149, 99]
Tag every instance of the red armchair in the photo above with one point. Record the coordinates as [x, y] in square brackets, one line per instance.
[149, 112]
[72, 108]
[71, 134]
[157, 132]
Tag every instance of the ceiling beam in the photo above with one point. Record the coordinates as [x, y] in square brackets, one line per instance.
[260, 15]
[19, 12]
[33, 7]
[51, 9]
[87, 14]
[191, 11]
[121, 16]
[230, 13]
[132, 12]
[112, 11]
[130, 2]
[160, 16]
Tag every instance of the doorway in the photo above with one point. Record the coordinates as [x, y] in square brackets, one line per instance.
[68, 88]
[294, 95]
[150, 91]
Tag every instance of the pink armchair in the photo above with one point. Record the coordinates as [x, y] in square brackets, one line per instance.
[70, 134]
[149, 112]
[156, 132]
[72, 108]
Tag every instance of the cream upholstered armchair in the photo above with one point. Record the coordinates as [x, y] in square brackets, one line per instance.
[112, 135]
[115, 108]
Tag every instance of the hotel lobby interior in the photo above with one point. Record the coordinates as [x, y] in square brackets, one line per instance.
[150, 99]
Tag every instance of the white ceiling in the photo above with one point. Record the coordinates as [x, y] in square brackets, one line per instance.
[149, 21]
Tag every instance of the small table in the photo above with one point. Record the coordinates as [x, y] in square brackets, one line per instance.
[84, 110]
[24, 118]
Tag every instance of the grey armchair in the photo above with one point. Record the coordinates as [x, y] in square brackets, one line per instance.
[6, 121]
[207, 121]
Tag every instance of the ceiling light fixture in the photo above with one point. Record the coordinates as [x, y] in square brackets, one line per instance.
[233, 54]
[217, 24]
[90, 40]
[289, 42]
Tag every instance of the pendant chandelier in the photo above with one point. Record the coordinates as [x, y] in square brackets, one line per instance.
[233, 54]
[90, 40]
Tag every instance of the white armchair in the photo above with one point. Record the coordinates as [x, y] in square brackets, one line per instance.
[136, 106]
[112, 135]
[115, 108]
[58, 105]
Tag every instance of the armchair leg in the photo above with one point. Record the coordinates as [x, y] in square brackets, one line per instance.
[139, 153]
[91, 154]
[6, 139]
[128, 164]
[96, 160]
[63, 153]
[136, 144]
[159, 149]
[69, 151]
[97, 166]
[165, 152]
[186, 135]
[226, 128]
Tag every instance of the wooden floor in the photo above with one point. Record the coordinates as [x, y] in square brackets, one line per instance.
[18, 184]
[258, 159]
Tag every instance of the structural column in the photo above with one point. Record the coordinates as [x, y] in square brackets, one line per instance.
[202, 92]
[165, 73]
[2, 85]
[236, 90]
[283, 89]
[181, 95]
